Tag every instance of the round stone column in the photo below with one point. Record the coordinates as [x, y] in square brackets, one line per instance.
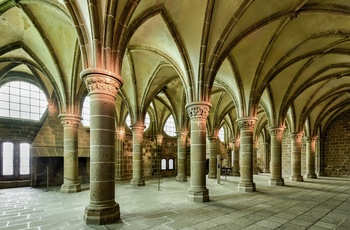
[255, 158]
[102, 86]
[212, 157]
[296, 157]
[266, 158]
[235, 158]
[229, 154]
[70, 149]
[119, 144]
[181, 156]
[246, 127]
[198, 113]
[310, 157]
[320, 160]
[137, 171]
[276, 156]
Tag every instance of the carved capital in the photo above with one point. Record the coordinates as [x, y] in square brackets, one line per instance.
[101, 81]
[137, 128]
[246, 123]
[212, 138]
[120, 135]
[182, 134]
[276, 131]
[70, 120]
[198, 109]
[296, 136]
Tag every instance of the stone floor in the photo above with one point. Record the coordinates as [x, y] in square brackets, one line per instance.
[322, 203]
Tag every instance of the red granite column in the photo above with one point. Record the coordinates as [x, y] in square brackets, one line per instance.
[296, 156]
[181, 156]
[120, 138]
[276, 156]
[235, 158]
[198, 113]
[102, 86]
[70, 148]
[137, 171]
[212, 157]
[310, 157]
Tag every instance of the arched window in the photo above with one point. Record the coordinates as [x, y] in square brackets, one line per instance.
[171, 164]
[20, 99]
[169, 127]
[222, 133]
[7, 158]
[24, 159]
[163, 167]
[86, 112]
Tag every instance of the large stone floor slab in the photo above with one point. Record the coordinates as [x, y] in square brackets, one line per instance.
[322, 203]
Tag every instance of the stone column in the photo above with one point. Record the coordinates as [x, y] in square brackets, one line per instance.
[320, 160]
[266, 158]
[102, 86]
[246, 127]
[137, 171]
[296, 157]
[229, 154]
[235, 158]
[119, 154]
[198, 113]
[310, 157]
[181, 156]
[70, 148]
[212, 157]
[255, 158]
[276, 156]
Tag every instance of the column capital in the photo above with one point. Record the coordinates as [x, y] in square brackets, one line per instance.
[181, 134]
[70, 120]
[198, 109]
[101, 81]
[212, 138]
[246, 123]
[120, 134]
[275, 131]
[296, 135]
[137, 127]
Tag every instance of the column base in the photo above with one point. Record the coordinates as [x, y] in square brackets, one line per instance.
[296, 178]
[311, 175]
[212, 175]
[181, 178]
[277, 182]
[101, 215]
[137, 182]
[246, 187]
[70, 188]
[236, 174]
[198, 196]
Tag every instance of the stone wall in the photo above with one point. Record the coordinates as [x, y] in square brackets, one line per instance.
[337, 147]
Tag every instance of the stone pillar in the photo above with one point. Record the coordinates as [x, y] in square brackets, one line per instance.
[102, 86]
[320, 160]
[229, 154]
[276, 156]
[70, 148]
[246, 127]
[198, 113]
[212, 157]
[296, 157]
[235, 158]
[255, 158]
[310, 157]
[119, 154]
[266, 158]
[137, 171]
[181, 156]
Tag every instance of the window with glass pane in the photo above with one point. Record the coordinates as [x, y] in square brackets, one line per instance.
[163, 164]
[147, 121]
[86, 112]
[20, 99]
[169, 127]
[128, 121]
[222, 133]
[171, 164]
[7, 158]
[24, 159]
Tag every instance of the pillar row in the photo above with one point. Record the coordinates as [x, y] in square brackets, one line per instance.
[310, 157]
[255, 158]
[103, 87]
[119, 143]
[235, 158]
[246, 127]
[212, 157]
[296, 157]
[137, 138]
[181, 156]
[266, 158]
[70, 150]
[198, 113]
[276, 156]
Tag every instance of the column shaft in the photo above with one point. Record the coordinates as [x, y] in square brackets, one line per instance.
[235, 158]
[276, 156]
[102, 86]
[246, 126]
[296, 157]
[198, 113]
[181, 156]
[255, 158]
[70, 149]
[310, 157]
[266, 158]
[212, 157]
[137, 137]
[120, 138]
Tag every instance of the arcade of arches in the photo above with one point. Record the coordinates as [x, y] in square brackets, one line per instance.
[271, 75]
